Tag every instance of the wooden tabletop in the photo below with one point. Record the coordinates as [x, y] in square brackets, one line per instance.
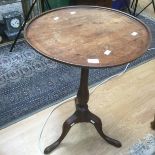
[88, 36]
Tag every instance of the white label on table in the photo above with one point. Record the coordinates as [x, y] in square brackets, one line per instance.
[95, 61]
[92, 121]
[73, 12]
[134, 33]
[72, 124]
[56, 18]
[107, 52]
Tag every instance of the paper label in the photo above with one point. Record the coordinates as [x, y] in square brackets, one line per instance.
[107, 52]
[95, 61]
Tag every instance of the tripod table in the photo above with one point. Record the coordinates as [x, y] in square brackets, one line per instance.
[87, 37]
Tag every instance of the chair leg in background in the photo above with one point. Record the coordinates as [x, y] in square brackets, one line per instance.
[135, 8]
[132, 3]
[153, 124]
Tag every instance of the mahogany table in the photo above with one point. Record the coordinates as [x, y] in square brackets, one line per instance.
[87, 37]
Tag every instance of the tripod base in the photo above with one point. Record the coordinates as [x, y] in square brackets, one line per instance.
[82, 114]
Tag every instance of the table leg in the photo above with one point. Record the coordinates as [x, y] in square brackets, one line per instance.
[82, 114]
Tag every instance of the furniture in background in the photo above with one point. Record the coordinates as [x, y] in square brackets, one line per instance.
[135, 3]
[12, 21]
[119, 41]
[0, 38]
[153, 124]
[8, 14]
[26, 5]
[27, 16]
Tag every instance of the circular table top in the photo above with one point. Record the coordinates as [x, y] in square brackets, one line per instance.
[88, 36]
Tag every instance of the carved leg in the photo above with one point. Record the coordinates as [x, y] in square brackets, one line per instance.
[98, 125]
[153, 124]
[66, 127]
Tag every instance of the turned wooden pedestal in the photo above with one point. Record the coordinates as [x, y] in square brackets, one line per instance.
[82, 114]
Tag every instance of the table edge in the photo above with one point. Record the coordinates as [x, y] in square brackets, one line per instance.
[86, 6]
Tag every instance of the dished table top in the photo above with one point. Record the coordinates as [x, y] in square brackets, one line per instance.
[88, 36]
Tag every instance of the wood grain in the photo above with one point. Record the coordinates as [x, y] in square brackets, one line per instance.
[75, 34]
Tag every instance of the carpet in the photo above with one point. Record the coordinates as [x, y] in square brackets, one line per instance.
[145, 146]
[30, 82]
